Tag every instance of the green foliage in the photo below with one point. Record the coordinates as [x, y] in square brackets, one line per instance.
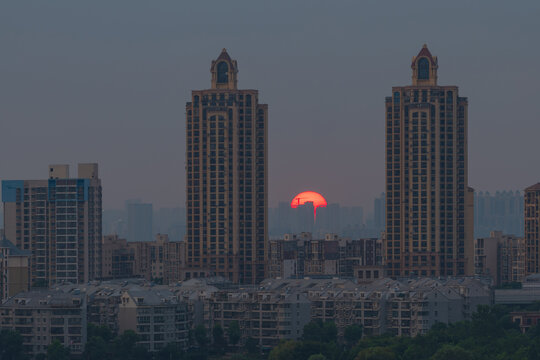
[96, 348]
[219, 339]
[317, 357]
[353, 334]
[100, 331]
[125, 347]
[233, 333]
[318, 331]
[451, 352]
[11, 345]
[284, 351]
[170, 351]
[200, 336]
[376, 353]
[251, 346]
[57, 351]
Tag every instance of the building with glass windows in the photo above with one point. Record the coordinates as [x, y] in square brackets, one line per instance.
[532, 235]
[429, 206]
[58, 221]
[226, 170]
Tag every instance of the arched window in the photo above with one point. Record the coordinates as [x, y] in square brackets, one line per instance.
[222, 73]
[423, 69]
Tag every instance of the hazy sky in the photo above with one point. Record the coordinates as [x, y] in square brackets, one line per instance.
[107, 82]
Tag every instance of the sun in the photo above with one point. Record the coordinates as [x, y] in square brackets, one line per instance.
[309, 197]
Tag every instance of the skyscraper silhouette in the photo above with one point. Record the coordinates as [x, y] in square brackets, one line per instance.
[226, 168]
[429, 207]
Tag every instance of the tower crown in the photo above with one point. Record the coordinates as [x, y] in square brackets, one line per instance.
[424, 66]
[224, 72]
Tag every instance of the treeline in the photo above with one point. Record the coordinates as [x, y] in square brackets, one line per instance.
[489, 335]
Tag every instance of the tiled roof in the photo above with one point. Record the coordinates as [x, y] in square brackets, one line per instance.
[533, 187]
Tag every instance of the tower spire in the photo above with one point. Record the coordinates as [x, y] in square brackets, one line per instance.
[224, 72]
[424, 66]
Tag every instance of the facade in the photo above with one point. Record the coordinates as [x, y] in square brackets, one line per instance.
[157, 316]
[429, 206]
[14, 270]
[298, 256]
[406, 308]
[161, 260]
[500, 256]
[526, 319]
[118, 259]
[42, 317]
[532, 234]
[266, 316]
[226, 170]
[274, 310]
[59, 221]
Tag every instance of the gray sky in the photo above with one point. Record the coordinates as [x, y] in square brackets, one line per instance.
[107, 82]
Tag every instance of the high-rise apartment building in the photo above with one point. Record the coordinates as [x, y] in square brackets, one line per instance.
[226, 169]
[429, 207]
[59, 221]
[532, 235]
[500, 256]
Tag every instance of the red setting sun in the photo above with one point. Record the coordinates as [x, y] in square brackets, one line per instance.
[309, 197]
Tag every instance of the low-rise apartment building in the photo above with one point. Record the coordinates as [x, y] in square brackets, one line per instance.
[297, 256]
[156, 315]
[42, 317]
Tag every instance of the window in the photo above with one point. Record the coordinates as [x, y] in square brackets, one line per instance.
[423, 69]
[222, 73]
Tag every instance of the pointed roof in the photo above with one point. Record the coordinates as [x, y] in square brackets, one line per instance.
[13, 250]
[424, 52]
[535, 187]
[224, 56]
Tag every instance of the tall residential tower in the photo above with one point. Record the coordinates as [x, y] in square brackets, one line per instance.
[226, 168]
[532, 235]
[59, 222]
[429, 206]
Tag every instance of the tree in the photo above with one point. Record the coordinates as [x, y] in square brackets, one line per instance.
[376, 353]
[317, 357]
[100, 331]
[286, 350]
[200, 336]
[125, 347]
[353, 333]
[451, 352]
[318, 331]
[219, 339]
[170, 351]
[251, 346]
[57, 351]
[96, 348]
[233, 332]
[329, 331]
[11, 345]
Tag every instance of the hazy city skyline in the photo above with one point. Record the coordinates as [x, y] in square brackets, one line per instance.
[107, 83]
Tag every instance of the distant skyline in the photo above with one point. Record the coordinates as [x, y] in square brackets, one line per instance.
[108, 82]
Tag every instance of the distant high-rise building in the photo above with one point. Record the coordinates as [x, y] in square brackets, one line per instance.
[532, 234]
[500, 256]
[429, 217]
[59, 221]
[139, 222]
[226, 170]
[379, 213]
[501, 211]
